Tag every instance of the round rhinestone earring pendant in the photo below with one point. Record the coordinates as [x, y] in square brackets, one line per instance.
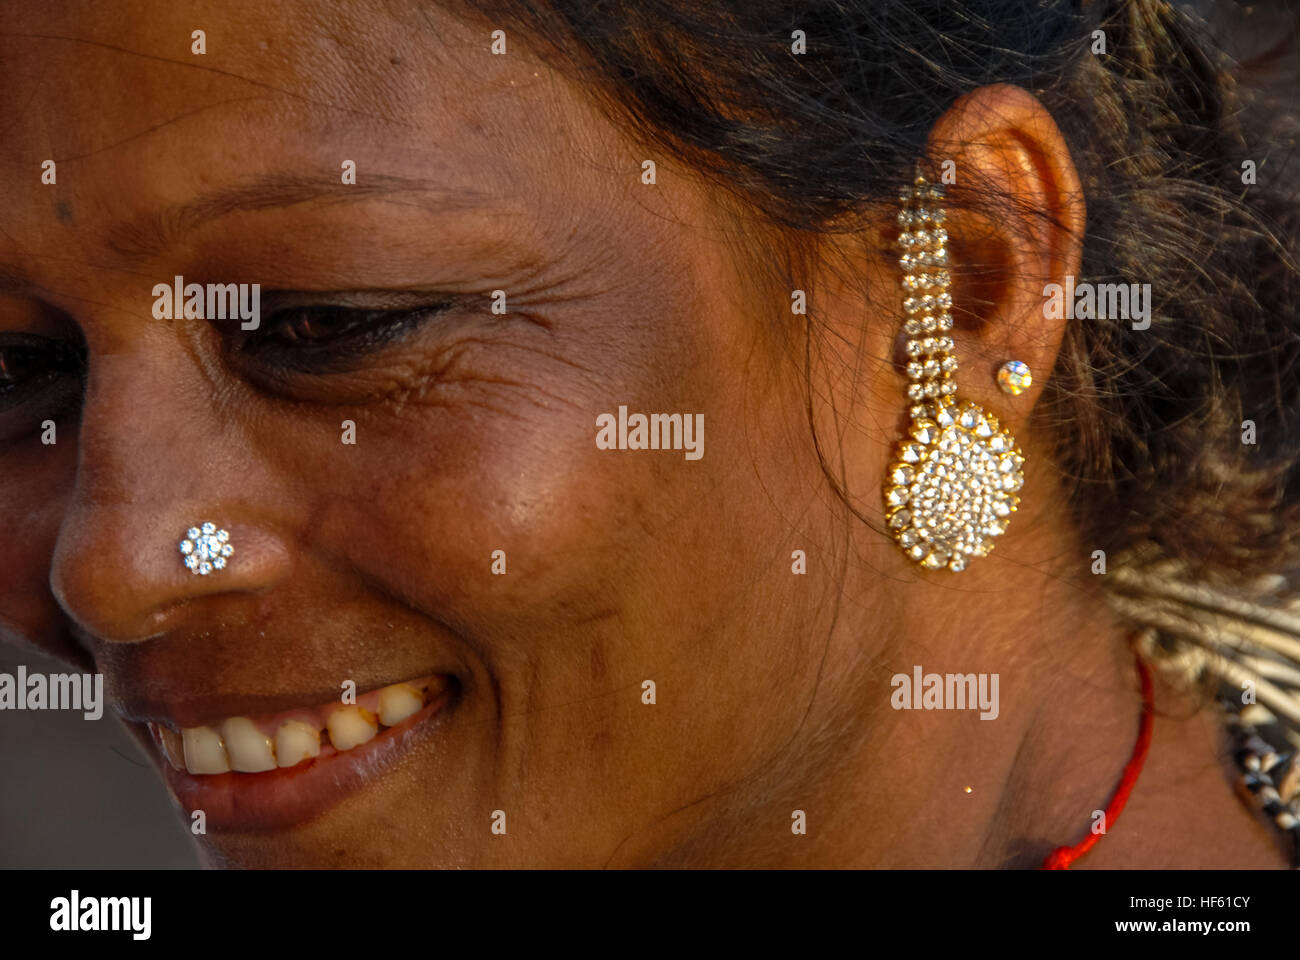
[205, 548]
[955, 478]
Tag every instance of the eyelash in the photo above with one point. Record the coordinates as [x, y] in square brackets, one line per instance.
[350, 333]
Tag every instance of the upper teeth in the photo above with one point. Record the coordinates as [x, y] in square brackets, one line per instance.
[204, 752]
[398, 702]
[351, 726]
[245, 745]
[249, 748]
[295, 742]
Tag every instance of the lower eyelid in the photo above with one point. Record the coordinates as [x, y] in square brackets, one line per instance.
[401, 373]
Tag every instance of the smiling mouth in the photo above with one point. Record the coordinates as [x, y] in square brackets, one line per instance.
[280, 770]
[261, 744]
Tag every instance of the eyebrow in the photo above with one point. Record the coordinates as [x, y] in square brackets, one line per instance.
[154, 233]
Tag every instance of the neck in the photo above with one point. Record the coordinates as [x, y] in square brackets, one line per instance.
[965, 791]
[917, 788]
[1039, 774]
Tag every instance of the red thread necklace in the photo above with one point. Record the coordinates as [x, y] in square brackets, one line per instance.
[1062, 857]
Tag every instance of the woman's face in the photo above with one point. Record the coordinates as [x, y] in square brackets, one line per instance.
[373, 562]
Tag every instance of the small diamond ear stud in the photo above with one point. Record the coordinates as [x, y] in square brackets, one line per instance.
[1014, 377]
[205, 548]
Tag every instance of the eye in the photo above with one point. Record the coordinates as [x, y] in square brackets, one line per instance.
[38, 373]
[319, 337]
[311, 326]
[29, 364]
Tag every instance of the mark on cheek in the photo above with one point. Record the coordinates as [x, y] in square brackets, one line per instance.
[63, 211]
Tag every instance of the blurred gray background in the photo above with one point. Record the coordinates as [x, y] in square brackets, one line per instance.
[79, 793]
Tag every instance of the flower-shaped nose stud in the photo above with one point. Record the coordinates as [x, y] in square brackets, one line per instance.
[205, 548]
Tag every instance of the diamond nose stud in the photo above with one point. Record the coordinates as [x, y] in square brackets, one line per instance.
[205, 548]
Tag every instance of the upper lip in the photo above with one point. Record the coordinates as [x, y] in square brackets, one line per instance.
[182, 681]
[209, 710]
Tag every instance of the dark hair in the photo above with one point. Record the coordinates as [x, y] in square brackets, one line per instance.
[1149, 422]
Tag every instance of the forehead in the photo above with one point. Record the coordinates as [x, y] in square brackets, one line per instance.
[137, 122]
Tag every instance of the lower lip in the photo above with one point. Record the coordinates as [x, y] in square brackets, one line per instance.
[291, 796]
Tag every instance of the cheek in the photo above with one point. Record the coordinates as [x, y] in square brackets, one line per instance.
[503, 457]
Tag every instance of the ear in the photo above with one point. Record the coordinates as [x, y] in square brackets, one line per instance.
[1016, 219]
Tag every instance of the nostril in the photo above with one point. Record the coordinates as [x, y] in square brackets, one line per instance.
[127, 589]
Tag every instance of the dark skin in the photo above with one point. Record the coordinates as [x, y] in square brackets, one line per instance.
[476, 432]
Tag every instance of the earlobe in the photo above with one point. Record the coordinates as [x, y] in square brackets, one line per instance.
[1017, 217]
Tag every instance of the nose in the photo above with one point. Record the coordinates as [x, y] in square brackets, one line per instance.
[154, 461]
[119, 574]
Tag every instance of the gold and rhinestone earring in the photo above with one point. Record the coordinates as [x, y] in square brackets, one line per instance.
[954, 479]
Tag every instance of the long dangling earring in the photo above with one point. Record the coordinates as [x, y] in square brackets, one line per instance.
[954, 479]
